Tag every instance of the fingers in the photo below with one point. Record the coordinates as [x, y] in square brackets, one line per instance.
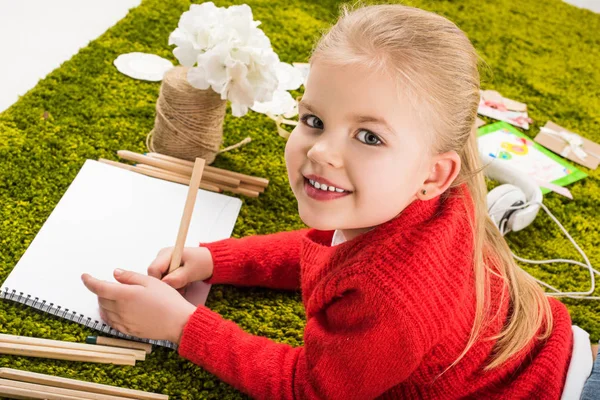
[160, 265]
[132, 278]
[177, 279]
[104, 289]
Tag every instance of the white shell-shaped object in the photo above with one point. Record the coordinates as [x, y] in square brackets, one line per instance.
[144, 66]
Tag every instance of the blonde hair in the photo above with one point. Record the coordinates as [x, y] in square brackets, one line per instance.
[436, 65]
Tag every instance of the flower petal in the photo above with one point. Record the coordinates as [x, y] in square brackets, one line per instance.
[289, 78]
[238, 110]
[197, 78]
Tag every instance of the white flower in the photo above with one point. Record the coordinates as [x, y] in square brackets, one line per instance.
[228, 53]
[282, 104]
[289, 78]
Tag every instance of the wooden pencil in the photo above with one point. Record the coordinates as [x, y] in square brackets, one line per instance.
[187, 214]
[59, 391]
[65, 354]
[128, 344]
[177, 178]
[20, 393]
[164, 171]
[239, 190]
[137, 354]
[243, 188]
[249, 179]
[75, 384]
[155, 174]
[174, 167]
[252, 188]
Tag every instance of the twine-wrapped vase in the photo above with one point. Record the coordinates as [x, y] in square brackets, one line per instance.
[189, 121]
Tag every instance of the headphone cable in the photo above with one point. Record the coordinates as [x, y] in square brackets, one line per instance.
[587, 265]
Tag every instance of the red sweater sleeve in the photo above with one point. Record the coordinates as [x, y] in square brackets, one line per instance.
[346, 352]
[271, 261]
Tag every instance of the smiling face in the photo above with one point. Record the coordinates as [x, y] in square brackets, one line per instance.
[357, 135]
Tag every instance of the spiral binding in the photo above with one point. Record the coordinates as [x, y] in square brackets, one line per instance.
[71, 315]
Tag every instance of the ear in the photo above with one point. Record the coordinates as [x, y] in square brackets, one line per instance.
[443, 171]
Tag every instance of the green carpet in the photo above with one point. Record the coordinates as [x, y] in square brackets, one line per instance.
[544, 53]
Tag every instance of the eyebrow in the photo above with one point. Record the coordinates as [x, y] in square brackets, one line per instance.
[357, 118]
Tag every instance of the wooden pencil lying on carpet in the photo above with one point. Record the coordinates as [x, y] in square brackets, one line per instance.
[33, 385]
[61, 350]
[249, 179]
[128, 344]
[161, 175]
[177, 170]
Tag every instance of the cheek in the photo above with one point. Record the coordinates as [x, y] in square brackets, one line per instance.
[386, 177]
[294, 153]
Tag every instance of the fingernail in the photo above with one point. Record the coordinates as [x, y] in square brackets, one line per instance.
[118, 271]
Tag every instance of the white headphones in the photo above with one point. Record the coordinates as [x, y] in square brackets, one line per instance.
[504, 201]
[514, 205]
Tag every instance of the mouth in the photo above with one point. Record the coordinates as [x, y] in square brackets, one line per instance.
[322, 190]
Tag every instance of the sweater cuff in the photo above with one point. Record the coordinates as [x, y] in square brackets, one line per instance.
[197, 334]
[224, 263]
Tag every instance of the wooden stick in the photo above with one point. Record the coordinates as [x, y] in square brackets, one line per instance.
[155, 174]
[172, 177]
[187, 214]
[20, 393]
[137, 354]
[252, 180]
[58, 391]
[66, 383]
[164, 171]
[128, 344]
[252, 188]
[238, 190]
[173, 167]
[65, 354]
[243, 188]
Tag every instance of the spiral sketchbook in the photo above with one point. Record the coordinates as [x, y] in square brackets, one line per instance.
[111, 218]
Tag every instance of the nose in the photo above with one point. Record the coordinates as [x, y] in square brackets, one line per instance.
[326, 151]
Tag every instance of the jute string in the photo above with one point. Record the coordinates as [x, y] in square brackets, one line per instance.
[189, 121]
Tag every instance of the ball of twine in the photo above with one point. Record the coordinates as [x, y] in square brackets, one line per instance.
[189, 121]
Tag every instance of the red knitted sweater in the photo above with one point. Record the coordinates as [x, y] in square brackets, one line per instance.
[387, 312]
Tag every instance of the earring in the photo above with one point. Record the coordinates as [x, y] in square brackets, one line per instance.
[423, 192]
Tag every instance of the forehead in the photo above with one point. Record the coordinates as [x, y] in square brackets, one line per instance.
[344, 91]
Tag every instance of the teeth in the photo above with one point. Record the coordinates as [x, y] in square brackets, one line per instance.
[324, 187]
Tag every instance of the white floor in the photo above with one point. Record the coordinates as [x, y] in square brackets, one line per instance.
[593, 5]
[36, 36]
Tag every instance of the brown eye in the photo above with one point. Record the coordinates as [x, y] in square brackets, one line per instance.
[368, 137]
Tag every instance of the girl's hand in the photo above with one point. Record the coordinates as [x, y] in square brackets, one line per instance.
[197, 265]
[141, 305]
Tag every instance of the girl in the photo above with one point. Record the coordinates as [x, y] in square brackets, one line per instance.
[410, 290]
